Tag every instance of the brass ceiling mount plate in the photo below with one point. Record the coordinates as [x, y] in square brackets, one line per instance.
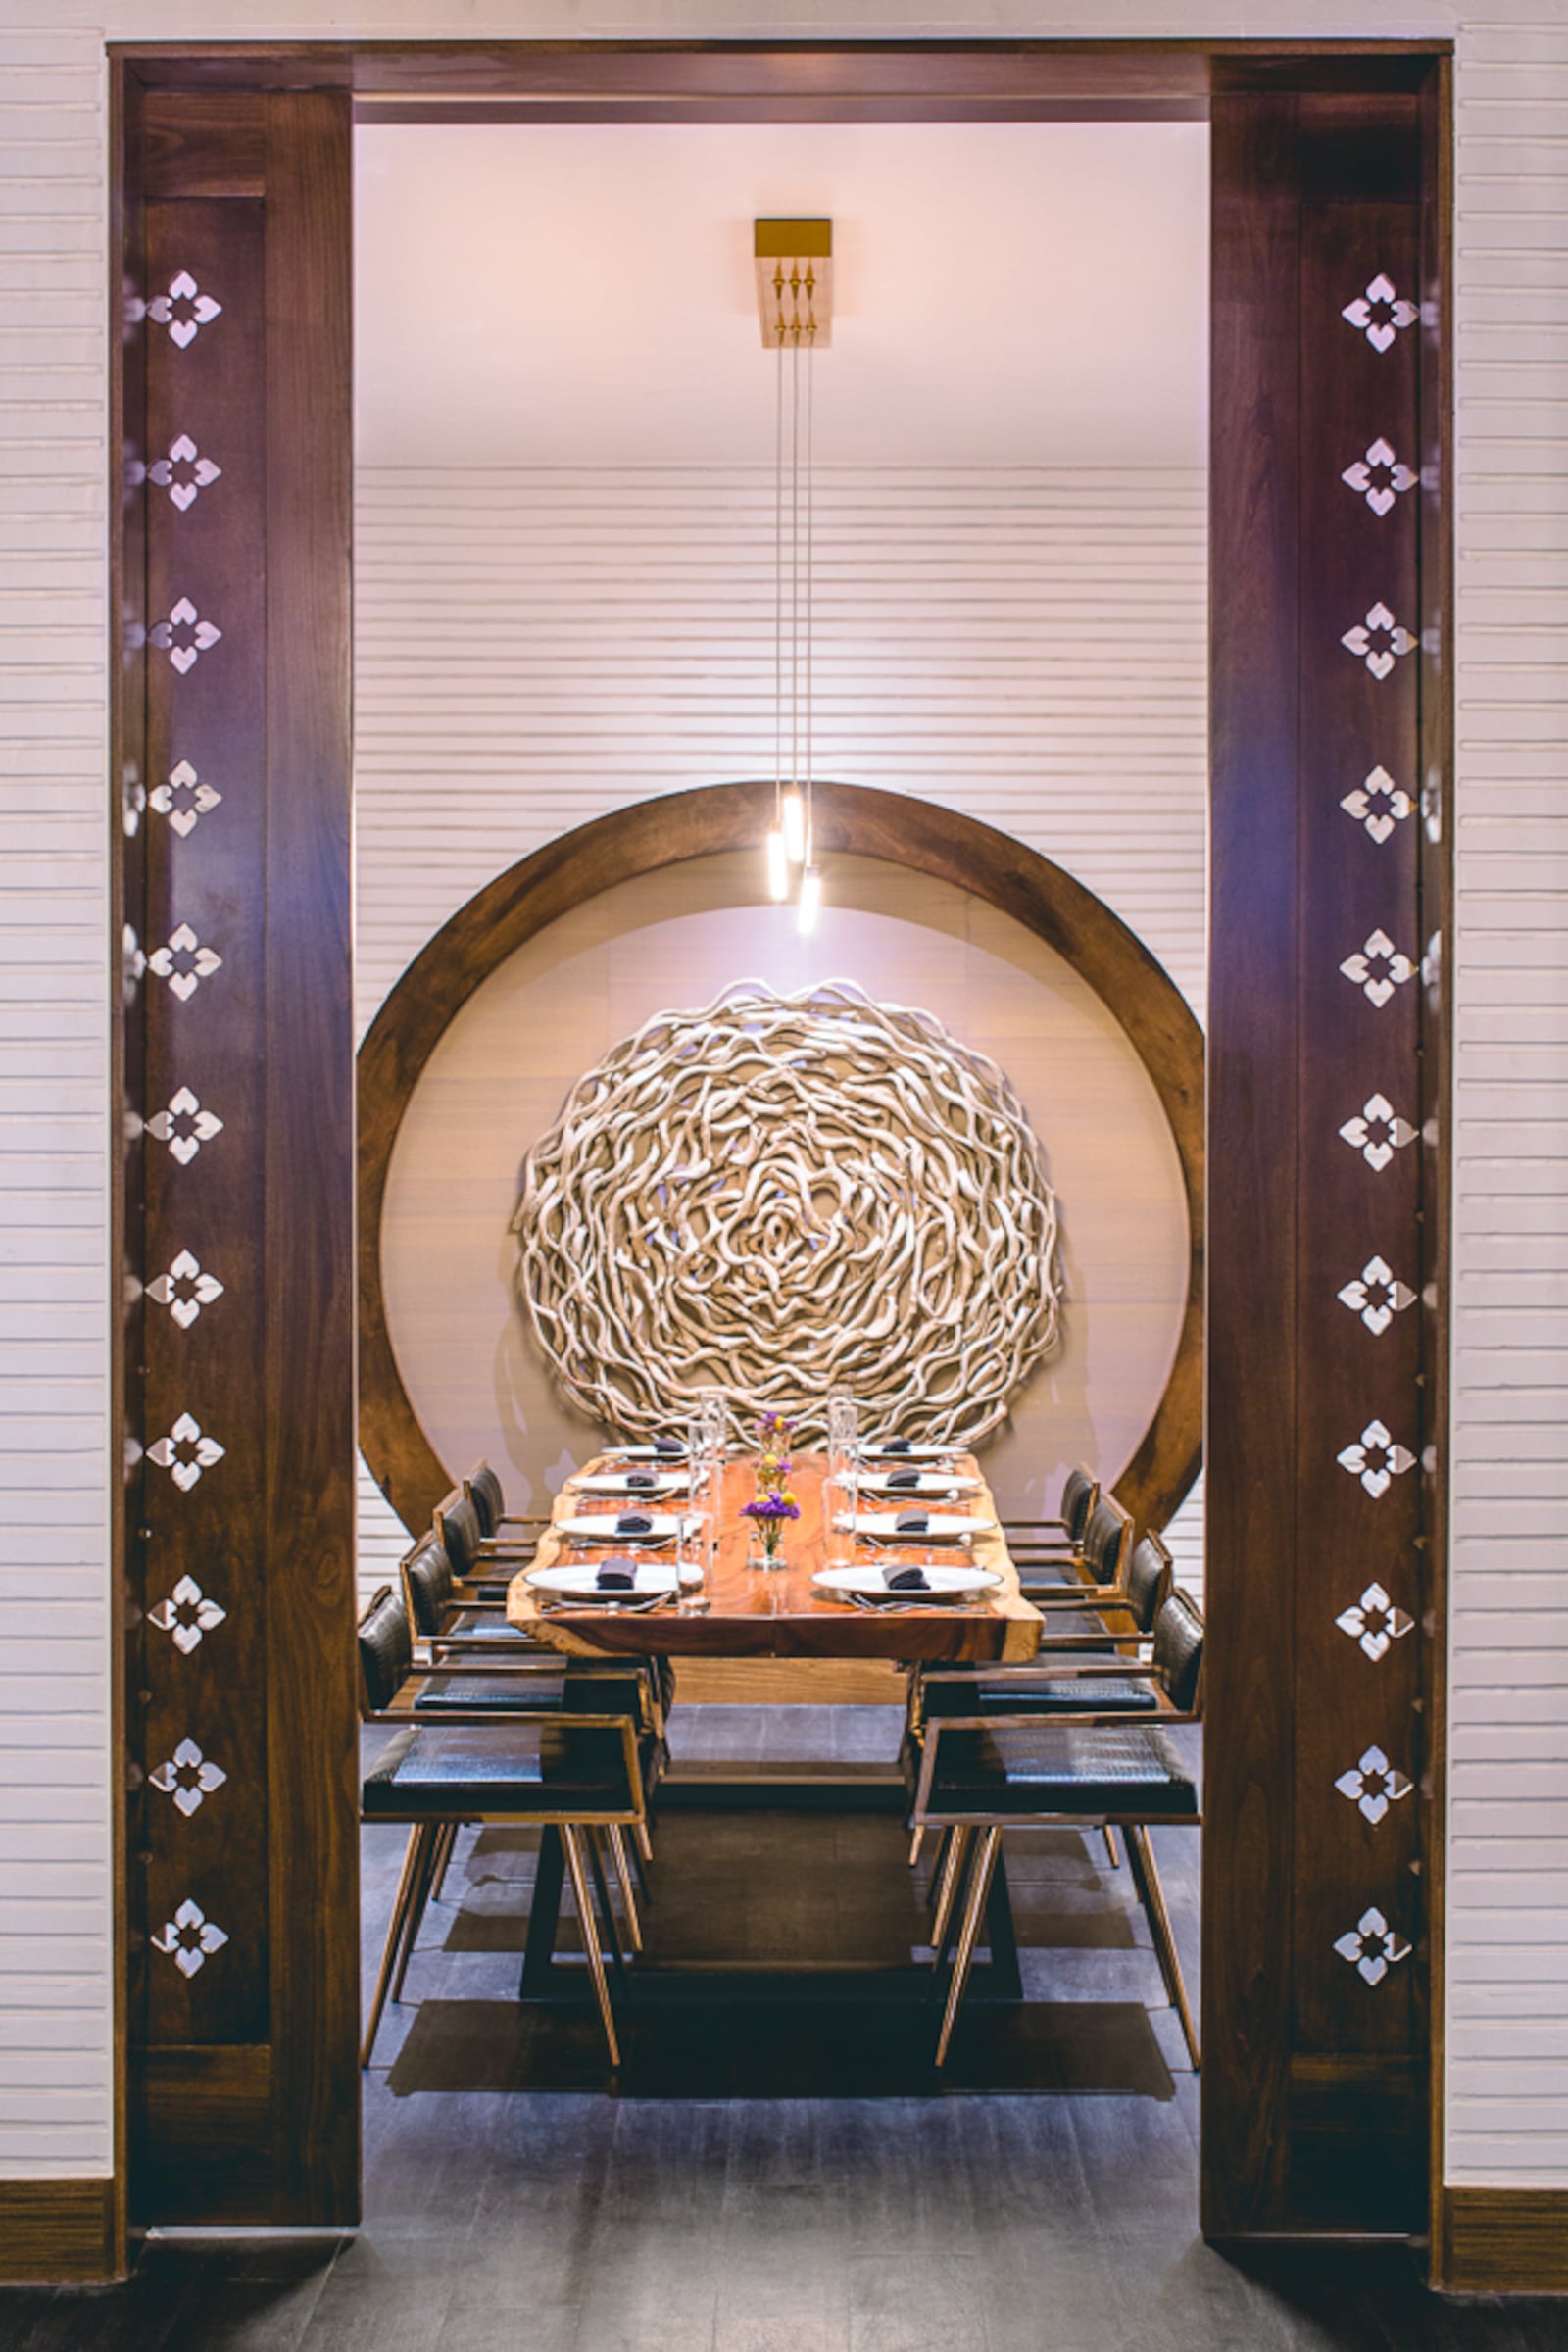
[795, 283]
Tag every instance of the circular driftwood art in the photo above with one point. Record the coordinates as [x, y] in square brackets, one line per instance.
[781, 1196]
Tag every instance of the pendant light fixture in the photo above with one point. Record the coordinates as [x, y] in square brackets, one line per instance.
[794, 292]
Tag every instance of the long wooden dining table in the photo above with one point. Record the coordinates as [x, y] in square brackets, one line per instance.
[759, 1614]
[779, 1612]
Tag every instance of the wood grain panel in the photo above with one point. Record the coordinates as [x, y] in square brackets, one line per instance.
[1502, 2241]
[1253, 1125]
[309, 1346]
[58, 2230]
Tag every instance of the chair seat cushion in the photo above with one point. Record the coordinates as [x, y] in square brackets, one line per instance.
[502, 1692]
[521, 1769]
[1090, 1695]
[1062, 1769]
[475, 1627]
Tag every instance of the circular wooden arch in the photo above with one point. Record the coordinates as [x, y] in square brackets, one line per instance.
[852, 820]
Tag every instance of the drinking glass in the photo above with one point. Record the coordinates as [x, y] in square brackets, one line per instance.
[694, 1539]
[841, 1497]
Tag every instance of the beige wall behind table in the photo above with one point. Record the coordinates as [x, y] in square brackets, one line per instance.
[497, 1080]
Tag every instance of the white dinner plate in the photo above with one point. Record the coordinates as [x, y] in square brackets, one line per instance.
[614, 1482]
[870, 1583]
[932, 1481]
[641, 1454]
[601, 1528]
[654, 1578]
[942, 1527]
[869, 1451]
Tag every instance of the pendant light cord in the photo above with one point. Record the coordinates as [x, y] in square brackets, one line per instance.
[778, 588]
[811, 524]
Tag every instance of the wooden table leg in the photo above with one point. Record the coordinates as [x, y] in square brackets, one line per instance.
[1004, 1980]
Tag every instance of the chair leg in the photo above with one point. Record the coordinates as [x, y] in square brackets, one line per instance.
[958, 1841]
[572, 1849]
[1140, 1855]
[394, 1938]
[628, 1895]
[1110, 1846]
[968, 1935]
[643, 1838]
[917, 1841]
[424, 1879]
[934, 1883]
[448, 1844]
[594, 1846]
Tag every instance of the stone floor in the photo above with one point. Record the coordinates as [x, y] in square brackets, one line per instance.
[778, 2177]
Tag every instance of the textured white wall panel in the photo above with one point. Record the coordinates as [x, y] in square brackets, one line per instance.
[1512, 1380]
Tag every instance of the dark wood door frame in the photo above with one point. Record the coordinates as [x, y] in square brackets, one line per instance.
[1322, 151]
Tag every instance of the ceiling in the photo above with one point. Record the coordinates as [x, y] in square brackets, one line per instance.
[1016, 294]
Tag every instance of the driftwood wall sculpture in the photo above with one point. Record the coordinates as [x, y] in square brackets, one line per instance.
[779, 1195]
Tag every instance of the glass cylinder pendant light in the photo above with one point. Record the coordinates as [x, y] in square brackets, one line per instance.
[794, 286]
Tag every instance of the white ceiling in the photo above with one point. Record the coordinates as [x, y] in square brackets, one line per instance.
[1018, 294]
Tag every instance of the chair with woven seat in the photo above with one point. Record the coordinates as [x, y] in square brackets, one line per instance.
[497, 1525]
[1095, 1571]
[1091, 1763]
[511, 1746]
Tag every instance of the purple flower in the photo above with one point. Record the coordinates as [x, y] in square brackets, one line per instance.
[770, 1506]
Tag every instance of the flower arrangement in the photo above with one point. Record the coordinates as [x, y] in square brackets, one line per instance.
[773, 1503]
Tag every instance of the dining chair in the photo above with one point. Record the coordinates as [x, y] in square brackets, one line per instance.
[512, 1746]
[1113, 1762]
[483, 1489]
[1095, 1571]
[1080, 1492]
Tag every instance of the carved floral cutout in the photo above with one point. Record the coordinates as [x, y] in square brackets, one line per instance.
[1373, 1785]
[185, 1126]
[1378, 1149]
[1374, 1623]
[184, 798]
[184, 1290]
[1381, 312]
[1372, 1946]
[184, 473]
[196, 963]
[1378, 460]
[1381, 624]
[1375, 1460]
[196, 310]
[1361, 803]
[185, 1453]
[1376, 986]
[196, 636]
[1376, 1297]
[186, 1615]
[188, 1776]
[190, 1938]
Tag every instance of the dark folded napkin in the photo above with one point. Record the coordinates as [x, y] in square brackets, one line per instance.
[911, 1523]
[635, 1523]
[670, 1448]
[908, 1580]
[617, 1575]
[894, 1446]
[904, 1482]
[641, 1481]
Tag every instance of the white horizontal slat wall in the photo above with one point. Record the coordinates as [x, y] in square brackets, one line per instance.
[55, 1850]
[1508, 2036]
[533, 648]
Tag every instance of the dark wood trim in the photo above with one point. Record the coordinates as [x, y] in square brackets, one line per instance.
[1501, 2241]
[1252, 1372]
[126, 743]
[60, 2231]
[852, 820]
[309, 1345]
[1435, 886]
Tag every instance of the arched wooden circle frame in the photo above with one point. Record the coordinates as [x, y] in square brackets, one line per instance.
[852, 820]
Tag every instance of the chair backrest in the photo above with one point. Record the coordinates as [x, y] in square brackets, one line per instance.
[484, 1491]
[457, 1523]
[386, 1651]
[1107, 1539]
[428, 1584]
[1149, 1579]
[1179, 1651]
[1079, 1494]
